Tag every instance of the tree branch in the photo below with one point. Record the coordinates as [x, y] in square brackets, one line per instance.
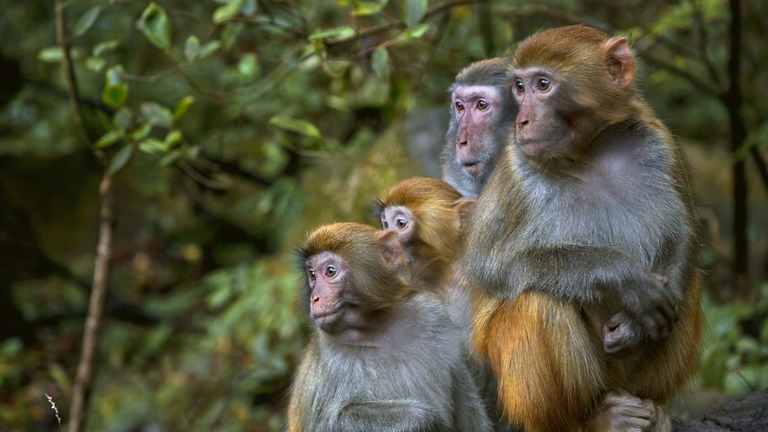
[82, 383]
[703, 40]
[760, 163]
[692, 79]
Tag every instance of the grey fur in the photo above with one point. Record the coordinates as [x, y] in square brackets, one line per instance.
[418, 381]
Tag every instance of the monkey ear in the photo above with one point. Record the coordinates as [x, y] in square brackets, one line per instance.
[391, 250]
[463, 209]
[620, 60]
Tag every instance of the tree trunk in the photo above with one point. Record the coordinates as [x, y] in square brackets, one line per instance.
[733, 102]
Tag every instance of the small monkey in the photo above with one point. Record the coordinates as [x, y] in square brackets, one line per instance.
[384, 355]
[428, 215]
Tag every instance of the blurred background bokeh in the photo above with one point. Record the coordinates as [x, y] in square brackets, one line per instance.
[172, 154]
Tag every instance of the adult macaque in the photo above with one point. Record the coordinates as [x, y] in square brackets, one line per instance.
[384, 356]
[588, 219]
[483, 110]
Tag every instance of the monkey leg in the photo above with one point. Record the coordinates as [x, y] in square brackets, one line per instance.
[662, 368]
[549, 367]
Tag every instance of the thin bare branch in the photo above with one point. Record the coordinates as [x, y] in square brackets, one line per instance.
[760, 164]
[62, 40]
[703, 41]
[689, 77]
[85, 372]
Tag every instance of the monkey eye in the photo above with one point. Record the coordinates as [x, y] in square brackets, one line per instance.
[312, 275]
[459, 105]
[402, 223]
[543, 84]
[331, 271]
[519, 86]
[384, 224]
[482, 105]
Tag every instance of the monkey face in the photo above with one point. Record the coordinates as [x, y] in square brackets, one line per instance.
[401, 220]
[326, 278]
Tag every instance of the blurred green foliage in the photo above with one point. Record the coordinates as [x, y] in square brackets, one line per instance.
[234, 127]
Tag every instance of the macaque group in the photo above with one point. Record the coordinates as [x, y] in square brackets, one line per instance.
[557, 257]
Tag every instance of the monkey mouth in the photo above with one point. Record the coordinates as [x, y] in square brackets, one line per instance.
[325, 318]
[531, 147]
[473, 168]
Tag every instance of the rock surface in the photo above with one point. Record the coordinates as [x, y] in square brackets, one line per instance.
[748, 413]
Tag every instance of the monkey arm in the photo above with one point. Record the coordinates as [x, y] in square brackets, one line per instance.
[587, 274]
[469, 410]
[396, 415]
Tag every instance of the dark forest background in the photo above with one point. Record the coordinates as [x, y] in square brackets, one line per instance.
[160, 161]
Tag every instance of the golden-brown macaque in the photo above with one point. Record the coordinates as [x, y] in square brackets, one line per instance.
[428, 216]
[384, 356]
[581, 250]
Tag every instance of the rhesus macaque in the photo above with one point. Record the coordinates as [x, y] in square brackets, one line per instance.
[483, 110]
[384, 355]
[581, 249]
[428, 216]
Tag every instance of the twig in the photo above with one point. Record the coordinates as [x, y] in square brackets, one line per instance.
[82, 382]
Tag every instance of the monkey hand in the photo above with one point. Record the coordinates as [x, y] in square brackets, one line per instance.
[650, 305]
[621, 411]
[622, 335]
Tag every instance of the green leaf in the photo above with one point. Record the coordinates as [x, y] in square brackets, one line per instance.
[182, 107]
[415, 11]
[299, 126]
[115, 90]
[122, 118]
[191, 48]
[247, 65]
[86, 21]
[380, 61]
[106, 46]
[109, 138]
[152, 145]
[114, 95]
[173, 137]
[120, 159]
[95, 64]
[417, 31]
[209, 48]
[155, 26]
[337, 33]
[226, 12]
[50, 54]
[366, 8]
[249, 8]
[141, 132]
[156, 114]
[11, 346]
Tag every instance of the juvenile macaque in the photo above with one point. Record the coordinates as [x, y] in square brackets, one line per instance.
[384, 355]
[429, 216]
[483, 111]
[581, 248]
